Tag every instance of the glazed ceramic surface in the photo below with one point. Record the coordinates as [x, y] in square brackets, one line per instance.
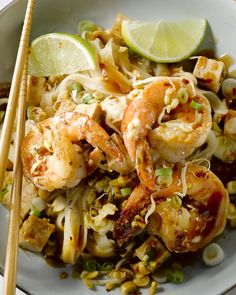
[35, 276]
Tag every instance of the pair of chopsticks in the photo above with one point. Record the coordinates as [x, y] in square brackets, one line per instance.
[17, 97]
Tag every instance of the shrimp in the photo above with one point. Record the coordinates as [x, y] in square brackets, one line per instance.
[180, 116]
[183, 226]
[49, 155]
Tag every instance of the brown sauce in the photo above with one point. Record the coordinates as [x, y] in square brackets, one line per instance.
[4, 90]
[187, 259]
[225, 171]
[52, 251]
[54, 261]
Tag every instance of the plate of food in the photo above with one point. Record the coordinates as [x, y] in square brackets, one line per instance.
[129, 156]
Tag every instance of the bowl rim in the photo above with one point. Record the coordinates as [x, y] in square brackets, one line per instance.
[2, 12]
[11, 3]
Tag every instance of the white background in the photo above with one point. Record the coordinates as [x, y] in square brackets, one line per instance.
[4, 3]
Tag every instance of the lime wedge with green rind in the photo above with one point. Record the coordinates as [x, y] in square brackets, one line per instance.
[164, 41]
[59, 54]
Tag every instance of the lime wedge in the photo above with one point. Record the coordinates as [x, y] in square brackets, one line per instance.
[58, 54]
[164, 41]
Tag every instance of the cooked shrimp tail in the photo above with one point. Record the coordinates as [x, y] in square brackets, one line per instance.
[138, 200]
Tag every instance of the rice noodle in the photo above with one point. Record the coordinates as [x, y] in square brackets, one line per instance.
[148, 80]
[107, 53]
[75, 231]
[208, 152]
[88, 83]
[120, 262]
[217, 105]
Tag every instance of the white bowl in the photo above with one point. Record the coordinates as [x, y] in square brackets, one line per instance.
[34, 275]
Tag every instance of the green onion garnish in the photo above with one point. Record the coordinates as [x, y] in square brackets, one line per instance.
[174, 275]
[91, 265]
[107, 266]
[2, 114]
[152, 254]
[183, 95]
[120, 181]
[125, 191]
[164, 175]
[195, 105]
[87, 98]
[35, 212]
[164, 180]
[177, 201]
[166, 171]
[76, 87]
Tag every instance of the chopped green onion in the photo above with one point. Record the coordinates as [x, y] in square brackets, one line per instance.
[183, 95]
[87, 98]
[120, 181]
[35, 113]
[2, 193]
[85, 25]
[35, 212]
[166, 171]
[91, 265]
[177, 201]
[76, 87]
[125, 191]
[164, 180]
[2, 114]
[174, 275]
[107, 266]
[114, 182]
[195, 105]
[100, 185]
[151, 253]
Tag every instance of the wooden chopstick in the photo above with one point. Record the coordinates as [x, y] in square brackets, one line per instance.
[8, 124]
[19, 86]
[15, 203]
